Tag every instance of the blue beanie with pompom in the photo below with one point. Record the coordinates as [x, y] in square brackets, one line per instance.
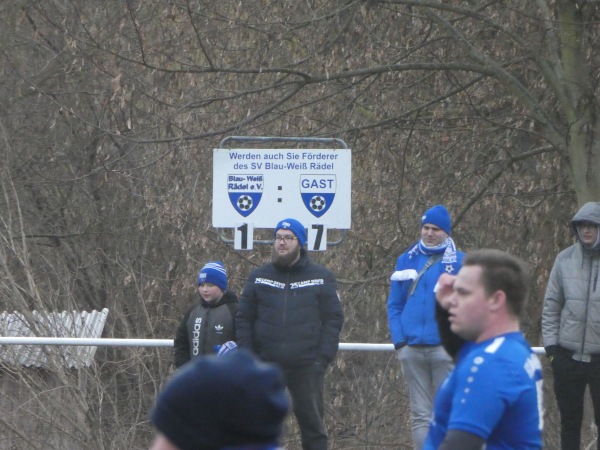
[213, 272]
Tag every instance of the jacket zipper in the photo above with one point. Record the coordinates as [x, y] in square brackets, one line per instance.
[596, 276]
[587, 303]
[205, 350]
[284, 318]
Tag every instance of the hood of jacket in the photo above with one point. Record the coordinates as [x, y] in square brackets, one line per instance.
[589, 212]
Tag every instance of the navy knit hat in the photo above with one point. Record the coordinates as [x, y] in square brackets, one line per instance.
[439, 216]
[295, 227]
[213, 272]
[222, 401]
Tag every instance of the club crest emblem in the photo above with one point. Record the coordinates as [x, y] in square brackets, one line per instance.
[245, 192]
[318, 192]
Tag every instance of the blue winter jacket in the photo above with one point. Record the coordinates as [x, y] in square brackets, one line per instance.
[412, 318]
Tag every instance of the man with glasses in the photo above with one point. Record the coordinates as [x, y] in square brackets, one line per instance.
[290, 314]
[571, 325]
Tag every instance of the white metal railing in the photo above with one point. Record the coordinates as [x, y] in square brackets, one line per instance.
[110, 342]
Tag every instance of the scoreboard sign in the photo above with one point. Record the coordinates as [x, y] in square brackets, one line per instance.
[263, 186]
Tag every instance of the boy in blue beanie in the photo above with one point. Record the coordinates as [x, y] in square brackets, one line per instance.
[230, 402]
[411, 315]
[210, 321]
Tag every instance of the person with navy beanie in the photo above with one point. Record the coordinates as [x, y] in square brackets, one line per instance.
[210, 321]
[290, 314]
[412, 321]
[229, 402]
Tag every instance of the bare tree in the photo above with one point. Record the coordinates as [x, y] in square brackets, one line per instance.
[109, 112]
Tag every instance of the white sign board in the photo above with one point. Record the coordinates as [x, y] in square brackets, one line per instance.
[262, 187]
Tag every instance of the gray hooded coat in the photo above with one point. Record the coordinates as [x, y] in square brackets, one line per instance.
[571, 314]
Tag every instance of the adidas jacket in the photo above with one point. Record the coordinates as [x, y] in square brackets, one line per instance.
[204, 326]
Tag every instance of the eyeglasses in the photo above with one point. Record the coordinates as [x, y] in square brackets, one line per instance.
[288, 238]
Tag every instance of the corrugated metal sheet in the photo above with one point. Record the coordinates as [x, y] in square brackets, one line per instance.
[51, 324]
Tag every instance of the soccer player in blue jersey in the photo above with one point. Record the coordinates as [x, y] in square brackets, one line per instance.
[493, 397]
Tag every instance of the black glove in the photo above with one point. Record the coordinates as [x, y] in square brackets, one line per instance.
[451, 342]
[552, 351]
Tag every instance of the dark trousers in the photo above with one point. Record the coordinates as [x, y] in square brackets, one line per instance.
[305, 385]
[570, 380]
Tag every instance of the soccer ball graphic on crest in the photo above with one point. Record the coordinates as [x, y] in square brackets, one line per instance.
[244, 202]
[317, 203]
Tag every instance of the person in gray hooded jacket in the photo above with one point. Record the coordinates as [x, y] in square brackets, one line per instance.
[571, 325]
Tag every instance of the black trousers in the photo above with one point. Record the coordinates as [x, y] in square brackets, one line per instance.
[570, 380]
[305, 385]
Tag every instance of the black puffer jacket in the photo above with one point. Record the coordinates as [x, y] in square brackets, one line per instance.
[291, 316]
[204, 326]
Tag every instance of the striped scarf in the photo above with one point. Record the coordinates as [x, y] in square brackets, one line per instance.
[448, 247]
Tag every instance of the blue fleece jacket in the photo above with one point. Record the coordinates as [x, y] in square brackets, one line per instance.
[412, 318]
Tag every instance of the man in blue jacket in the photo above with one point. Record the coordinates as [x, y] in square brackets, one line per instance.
[411, 315]
[290, 314]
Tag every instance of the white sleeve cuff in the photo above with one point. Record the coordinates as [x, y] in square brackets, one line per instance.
[403, 275]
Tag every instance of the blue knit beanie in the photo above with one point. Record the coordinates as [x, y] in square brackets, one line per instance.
[439, 216]
[215, 402]
[213, 272]
[295, 227]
